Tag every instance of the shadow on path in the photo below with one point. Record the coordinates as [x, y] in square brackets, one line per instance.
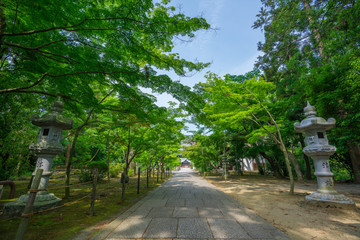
[188, 207]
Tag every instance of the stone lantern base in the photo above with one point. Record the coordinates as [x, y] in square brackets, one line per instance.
[332, 199]
[44, 200]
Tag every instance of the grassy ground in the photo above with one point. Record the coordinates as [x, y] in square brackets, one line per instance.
[65, 222]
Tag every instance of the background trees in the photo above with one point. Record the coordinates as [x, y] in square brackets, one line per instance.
[311, 52]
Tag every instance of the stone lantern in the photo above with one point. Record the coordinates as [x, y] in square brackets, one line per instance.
[47, 147]
[319, 150]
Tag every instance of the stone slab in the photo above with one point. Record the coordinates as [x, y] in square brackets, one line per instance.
[232, 212]
[252, 227]
[193, 228]
[227, 228]
[210, 213]
[255, 230]
[109, 228]
[187, 196]
[194, 203]
[140, 213]
[175, 203]
[130, 228]
[161, 212]
[155, 203]
[213, 203]
[161, 228]
[186, 212]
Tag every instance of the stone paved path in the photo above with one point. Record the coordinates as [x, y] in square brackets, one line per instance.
[188, 207]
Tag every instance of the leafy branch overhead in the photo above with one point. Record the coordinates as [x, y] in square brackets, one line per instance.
[61, 47]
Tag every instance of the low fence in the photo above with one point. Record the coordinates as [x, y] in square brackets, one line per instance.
[91, 192]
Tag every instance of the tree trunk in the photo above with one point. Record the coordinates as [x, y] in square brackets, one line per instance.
[273, 165]
[67, 180]
[2, 27]
[93, 193]
[315, 30]
[161, 172]
[240, 168]
[260, 168]
[18, 166]
[108, 156]
[157, 174]
[237, 161]
[138, 183]
[153, 175]
[296, 166]
[67, 170]
[147, 177]
[3, 160]
[307, 160]
[69, 156]
[288, 166]
[354, 151]
[134, 169]
[123, 188]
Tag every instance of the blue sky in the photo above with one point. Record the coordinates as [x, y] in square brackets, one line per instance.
[231, 48]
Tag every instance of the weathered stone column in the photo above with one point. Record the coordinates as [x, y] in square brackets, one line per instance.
[47, 147]
[319, 150]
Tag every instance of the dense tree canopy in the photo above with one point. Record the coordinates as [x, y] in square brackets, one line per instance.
[98, 56]
[95, 56]
[63, 47]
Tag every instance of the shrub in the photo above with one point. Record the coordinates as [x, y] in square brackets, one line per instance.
[87, 173]
[116, 169]
[131, 172]
[342, 175]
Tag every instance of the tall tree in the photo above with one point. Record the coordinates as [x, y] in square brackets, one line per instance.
[230, 103]
[309, 51]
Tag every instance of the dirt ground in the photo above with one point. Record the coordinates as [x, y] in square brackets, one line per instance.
[269, 198]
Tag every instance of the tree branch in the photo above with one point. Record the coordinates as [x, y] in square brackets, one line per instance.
[61, 75]
[27, 87]
[48, 94]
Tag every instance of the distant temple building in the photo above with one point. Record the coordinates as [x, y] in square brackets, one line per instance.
[185, 163]
[249, 164]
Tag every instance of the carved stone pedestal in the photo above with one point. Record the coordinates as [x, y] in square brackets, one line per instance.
[44, 200]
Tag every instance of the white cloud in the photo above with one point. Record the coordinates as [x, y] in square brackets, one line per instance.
[212, 11]
[245, 66]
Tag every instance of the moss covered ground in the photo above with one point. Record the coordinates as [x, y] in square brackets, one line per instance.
[67, 221]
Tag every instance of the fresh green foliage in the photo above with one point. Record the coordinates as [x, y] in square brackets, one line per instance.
[95, 56]
[311, 51]
[62, 47]
[116, 169]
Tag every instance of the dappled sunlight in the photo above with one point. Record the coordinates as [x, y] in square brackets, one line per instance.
[270, 199]
[186, 206]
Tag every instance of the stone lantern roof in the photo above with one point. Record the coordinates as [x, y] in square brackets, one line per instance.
[53, 118]
[312, 122]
